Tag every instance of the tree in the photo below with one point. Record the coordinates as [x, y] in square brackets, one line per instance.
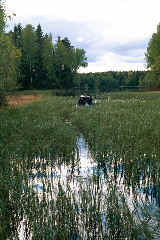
[9, 56]
[17, 36]
[68, 61]
[9, 59]
[49, 62]
[153, 57]
[28, 60]
[79, 59]
[40, 75]
[107, 82]
[2, 17]
[45, 64]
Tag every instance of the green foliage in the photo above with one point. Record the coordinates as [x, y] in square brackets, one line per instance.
[68, 61]
[153, 58]
[9, 60]
[9, 55]
[110, 81]
[49, 58]
[3, 99]
[17, 36]
[40, 73]
[150, 80]
[153, 50]
[2, 17]
[28, 61]
[44, 64]
[48, 65]
[79, 59]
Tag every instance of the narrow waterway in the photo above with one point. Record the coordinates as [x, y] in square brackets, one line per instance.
[81, 199]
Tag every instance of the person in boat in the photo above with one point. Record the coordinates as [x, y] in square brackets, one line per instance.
[82, 100]
[89, 100]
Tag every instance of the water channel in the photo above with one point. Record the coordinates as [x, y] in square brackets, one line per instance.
[83, 200]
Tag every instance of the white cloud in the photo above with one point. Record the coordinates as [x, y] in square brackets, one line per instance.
[103, 28]
[113, 62]
[80, 39]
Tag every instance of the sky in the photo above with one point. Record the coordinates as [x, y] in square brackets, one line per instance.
[114, 33]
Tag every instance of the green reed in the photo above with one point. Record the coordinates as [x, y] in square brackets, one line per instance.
[26, 134]
[121, 129]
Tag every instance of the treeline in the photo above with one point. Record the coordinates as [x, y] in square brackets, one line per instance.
[48, 64]
[44, 64]
[31, 59]
[111, 81]
[150, 79]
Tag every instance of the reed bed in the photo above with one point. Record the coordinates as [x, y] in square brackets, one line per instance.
[123, 134]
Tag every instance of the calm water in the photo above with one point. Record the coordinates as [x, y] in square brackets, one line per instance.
[82, 198]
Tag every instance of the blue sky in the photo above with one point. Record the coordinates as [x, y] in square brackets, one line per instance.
[114, 33]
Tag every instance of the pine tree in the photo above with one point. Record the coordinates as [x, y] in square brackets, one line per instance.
[40, 73]
[28, 59]
[49, 62]
[17, 36]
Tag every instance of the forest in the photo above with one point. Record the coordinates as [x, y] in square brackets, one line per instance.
[44, 64]
[47, 65]
[32, 59]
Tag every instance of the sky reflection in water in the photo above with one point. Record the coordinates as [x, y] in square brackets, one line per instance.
[85, 174]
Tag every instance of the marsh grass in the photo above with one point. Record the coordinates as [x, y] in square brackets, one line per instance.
[123, 133]
[26, 134]
[3, 99]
